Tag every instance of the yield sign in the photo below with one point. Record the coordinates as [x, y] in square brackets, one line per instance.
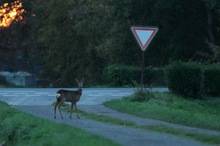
[144, 35]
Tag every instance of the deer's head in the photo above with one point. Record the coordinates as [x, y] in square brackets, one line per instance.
[80, 83]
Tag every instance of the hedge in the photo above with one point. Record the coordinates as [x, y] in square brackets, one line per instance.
[185, 79]
[3, 80]
[193, 79]
[122, 75]
[212, 80]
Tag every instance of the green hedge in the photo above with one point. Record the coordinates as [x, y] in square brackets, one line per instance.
[3, 80]
[185, 79]
[121, 75]
[193, 79]
[212, 80]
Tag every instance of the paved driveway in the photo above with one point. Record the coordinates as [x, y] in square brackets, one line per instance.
[46, 96]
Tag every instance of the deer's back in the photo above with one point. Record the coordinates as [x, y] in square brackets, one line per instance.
[70, 96]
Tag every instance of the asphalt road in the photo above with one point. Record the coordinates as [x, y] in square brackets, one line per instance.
[38, 102]
[46, 96]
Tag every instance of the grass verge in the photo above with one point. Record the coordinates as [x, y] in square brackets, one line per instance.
[165, 106]
[205, 138]
[107, 119]
[18, 129]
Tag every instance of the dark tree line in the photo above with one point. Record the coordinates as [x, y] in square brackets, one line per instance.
[62, 40]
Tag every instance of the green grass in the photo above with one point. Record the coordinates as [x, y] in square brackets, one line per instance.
[18, 129]
[203, 113]
[2, 86]
[205, 138]
[107, 119]
[101, 118]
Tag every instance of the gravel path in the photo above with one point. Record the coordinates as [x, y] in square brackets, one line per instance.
[121, 134]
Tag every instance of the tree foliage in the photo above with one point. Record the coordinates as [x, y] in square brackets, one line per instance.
[63, 40]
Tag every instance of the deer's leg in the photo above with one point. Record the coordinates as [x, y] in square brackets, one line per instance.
[59, 106]
[71, 110]
[55, 107]
[76, 111]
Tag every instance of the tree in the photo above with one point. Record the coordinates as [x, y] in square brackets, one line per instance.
[70, 39]
[14, 42]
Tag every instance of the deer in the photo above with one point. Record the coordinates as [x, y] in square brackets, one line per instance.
[68, 96]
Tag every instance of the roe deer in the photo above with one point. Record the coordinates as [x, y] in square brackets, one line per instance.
[68, 96]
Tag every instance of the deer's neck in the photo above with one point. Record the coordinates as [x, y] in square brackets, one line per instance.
[80, 91]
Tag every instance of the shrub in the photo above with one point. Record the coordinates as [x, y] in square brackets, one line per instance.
[185, 79]
[158, 77]
[3, 80]
[193, 79]
[212, 80]
[141, 95]
[121, 75]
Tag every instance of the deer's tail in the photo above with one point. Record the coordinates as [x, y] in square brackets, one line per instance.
[58, 96]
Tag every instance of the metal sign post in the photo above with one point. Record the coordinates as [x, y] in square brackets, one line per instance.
[142, 69]
[144, 36]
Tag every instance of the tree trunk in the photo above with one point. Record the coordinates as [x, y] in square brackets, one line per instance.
[209, 21]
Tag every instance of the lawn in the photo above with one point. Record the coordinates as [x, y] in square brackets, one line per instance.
[203, 113]
[19, 129]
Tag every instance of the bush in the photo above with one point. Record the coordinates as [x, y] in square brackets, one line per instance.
[121, 75]
[141, 95]
[193, 79]
[3, 80]
[118, 75]
[212, 80]
[185, 79]
[159, 77]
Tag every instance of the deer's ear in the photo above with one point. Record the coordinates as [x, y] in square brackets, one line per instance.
[77, 81]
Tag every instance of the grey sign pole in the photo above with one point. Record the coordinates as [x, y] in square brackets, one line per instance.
[144, 36]
[142, 70]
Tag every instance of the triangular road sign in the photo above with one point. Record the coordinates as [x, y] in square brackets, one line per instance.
[144, 35]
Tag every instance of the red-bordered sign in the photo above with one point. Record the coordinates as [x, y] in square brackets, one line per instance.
[144, 35]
